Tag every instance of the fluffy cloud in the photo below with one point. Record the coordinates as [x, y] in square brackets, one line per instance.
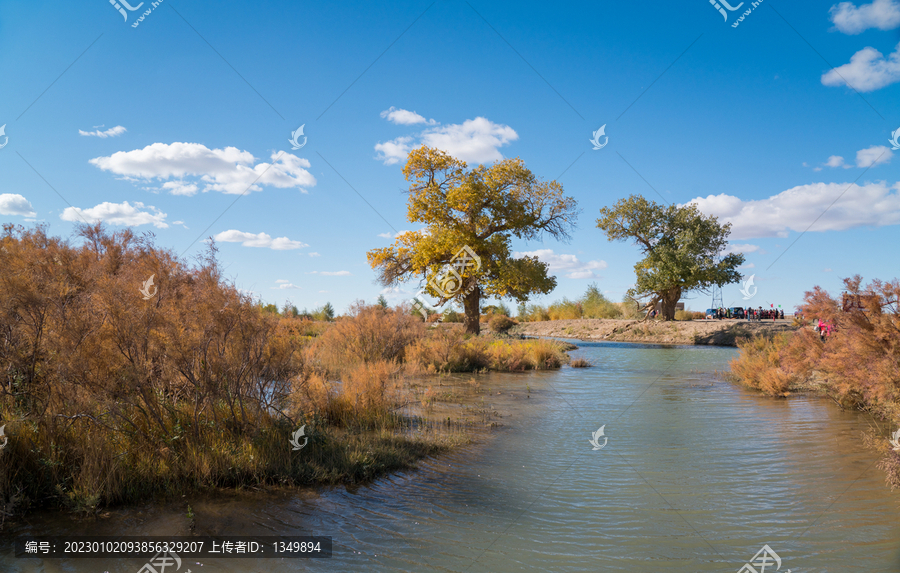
[475, 140]
[869, 205]
[117, 214]
[228, 170]
[261, 240]
[14, 204]
[315, 255]
[836, 161]
[875, 155]
[867, 71]
[881, 14]
[111, 132]
[568, 264]
[330, 273]
[405, 117]
[180, 188]
[394, 151]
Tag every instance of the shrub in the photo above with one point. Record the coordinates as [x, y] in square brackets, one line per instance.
[595, 305]
[368, 334]
[580, 363]
[502, 324]
[758, 364]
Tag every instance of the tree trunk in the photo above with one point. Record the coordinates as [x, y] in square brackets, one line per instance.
[472, 305]
[669, 300]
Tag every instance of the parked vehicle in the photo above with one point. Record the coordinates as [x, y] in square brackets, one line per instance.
[737, 312]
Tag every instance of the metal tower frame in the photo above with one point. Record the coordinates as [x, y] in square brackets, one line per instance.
[717, 298]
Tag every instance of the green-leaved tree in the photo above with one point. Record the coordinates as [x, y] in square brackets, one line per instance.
[683, 249]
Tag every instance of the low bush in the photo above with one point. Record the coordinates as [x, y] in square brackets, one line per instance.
[501, 324]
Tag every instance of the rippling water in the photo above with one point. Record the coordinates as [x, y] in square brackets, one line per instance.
[697, 475]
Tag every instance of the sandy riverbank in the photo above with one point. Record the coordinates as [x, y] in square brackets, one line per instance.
[712, 332]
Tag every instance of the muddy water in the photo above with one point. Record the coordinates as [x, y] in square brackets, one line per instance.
[697, 475]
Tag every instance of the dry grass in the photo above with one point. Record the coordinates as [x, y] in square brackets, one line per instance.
[580, 363]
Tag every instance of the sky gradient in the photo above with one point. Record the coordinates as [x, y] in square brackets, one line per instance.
[180, 126]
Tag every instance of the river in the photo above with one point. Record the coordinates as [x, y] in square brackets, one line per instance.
[696, 475]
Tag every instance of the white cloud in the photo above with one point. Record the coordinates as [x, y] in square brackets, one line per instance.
[738, 248]
[394, 151]
[117, 214]
[284, 285]
[280, 281]
[836, 161]
[15, 204]
[227, 170]
[872, 205]
[747, 266]
[392, 235]
[867, 71]
[875, 155]
[111, 132]
[405, 117]
[568, 264]
[261, 240]
[330, 273]
[475, 140]
[315, 255]
[180, 188]
[881, 14]
[827, 270]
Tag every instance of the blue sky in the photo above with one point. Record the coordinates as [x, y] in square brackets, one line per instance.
[163, 126]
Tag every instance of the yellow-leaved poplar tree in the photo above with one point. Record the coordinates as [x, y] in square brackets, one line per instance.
[481, 208]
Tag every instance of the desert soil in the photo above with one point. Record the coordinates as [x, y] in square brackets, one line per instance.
[710, 332]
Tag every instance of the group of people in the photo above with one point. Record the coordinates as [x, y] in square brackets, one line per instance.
[764, 314]
[750, 314]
